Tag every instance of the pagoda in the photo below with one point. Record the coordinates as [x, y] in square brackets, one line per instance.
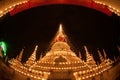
[61, 63]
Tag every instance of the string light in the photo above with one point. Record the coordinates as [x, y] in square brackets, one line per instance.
[11, 7]
[42, 68]
[111, 8]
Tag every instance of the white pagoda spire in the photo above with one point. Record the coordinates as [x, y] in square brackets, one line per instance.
[87, 53]
[60, 31]
[60, 37]
[19, 58]
[60, 28]
[32, 58]
[105, 55]
[89, 58]
[100, 56]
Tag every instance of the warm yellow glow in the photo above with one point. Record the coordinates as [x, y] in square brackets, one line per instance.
[62, 61]
[85, 48]
[7, 9]
[60, 31]
[60, 28]
[43, 79]
[114, 9]
[1, 12]
[36, 47]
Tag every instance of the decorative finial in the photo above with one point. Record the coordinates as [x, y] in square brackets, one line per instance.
[86, 50]
[105, 55]
[36, 47]
[60, 35]
[20, 55]
[60, 31]
[60, 28]
[100, 56]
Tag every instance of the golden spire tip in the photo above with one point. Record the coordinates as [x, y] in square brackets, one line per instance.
[60, 28]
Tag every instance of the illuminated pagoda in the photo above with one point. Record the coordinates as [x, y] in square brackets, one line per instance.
[61, 63]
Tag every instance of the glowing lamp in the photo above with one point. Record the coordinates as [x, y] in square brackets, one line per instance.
[4, 47]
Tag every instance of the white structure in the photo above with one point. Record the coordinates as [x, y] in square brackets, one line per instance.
[60, 62]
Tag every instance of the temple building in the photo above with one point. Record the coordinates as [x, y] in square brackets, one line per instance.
[61, 63]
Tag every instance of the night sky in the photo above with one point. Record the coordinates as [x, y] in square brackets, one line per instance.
[38, 26]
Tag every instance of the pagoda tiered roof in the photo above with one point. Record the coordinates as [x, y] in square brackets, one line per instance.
[61, 59]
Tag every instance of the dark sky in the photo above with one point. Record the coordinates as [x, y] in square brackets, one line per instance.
[38, 25]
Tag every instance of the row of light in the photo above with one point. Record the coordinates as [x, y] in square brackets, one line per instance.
[93, 69]
[34, 71]
[56, 53]
[11, 7]
[27, 74]
[63, 52]
[68, 67]
[58, 68]
[74, 73]
[5, 11]
[41, 72]
[76, 62]
[33, 57]
[92, 75]
[71, 67]
[48, 59]
[115, 10]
